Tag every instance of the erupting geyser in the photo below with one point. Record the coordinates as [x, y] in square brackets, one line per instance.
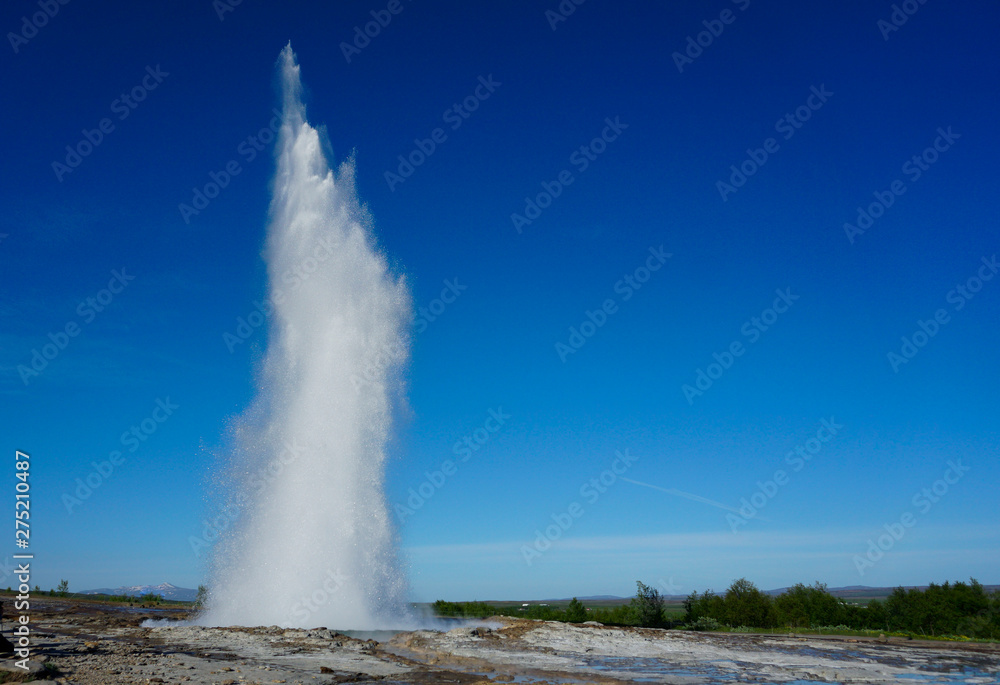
[313, 543]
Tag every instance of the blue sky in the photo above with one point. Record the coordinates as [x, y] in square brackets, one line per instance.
[637, 144]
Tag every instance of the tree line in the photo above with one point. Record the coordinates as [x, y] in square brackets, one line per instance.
[951, 609]
[960, 609]
[646, 608]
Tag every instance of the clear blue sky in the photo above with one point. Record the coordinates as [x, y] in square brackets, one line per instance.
[864, 100]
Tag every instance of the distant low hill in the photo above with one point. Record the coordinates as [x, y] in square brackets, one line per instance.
[848, 592]
[867, 592]
[165, 590]
[598, 597]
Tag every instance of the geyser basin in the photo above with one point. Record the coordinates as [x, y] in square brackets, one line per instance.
[313, 544]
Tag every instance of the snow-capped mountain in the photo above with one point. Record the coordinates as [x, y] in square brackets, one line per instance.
[165, 590]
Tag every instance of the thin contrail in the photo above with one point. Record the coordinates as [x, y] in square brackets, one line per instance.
[688, 495]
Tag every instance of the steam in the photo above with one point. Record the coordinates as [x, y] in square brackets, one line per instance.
[314, 544]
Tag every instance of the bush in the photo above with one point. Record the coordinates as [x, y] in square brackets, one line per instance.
[963, 609]
[709, 605]
[621, 615]
[576, 612]
[704, 623]
[648, 606]
[464, 609]
[747, 606]
[802, 606]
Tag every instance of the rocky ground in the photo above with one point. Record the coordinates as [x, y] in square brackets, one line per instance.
[94, 644]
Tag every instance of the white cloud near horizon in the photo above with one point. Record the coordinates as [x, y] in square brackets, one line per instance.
[701, 560]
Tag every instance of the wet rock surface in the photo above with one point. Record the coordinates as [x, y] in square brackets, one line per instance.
[97, 644]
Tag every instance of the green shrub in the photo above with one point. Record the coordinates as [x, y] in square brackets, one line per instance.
[704, 623]
[648, 606]
[576, 612]
[747, 606]
[464, 609]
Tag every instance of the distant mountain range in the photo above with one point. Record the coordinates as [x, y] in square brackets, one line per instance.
[846, 592]
[183, 594]
[596, 597]
[165, 590]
